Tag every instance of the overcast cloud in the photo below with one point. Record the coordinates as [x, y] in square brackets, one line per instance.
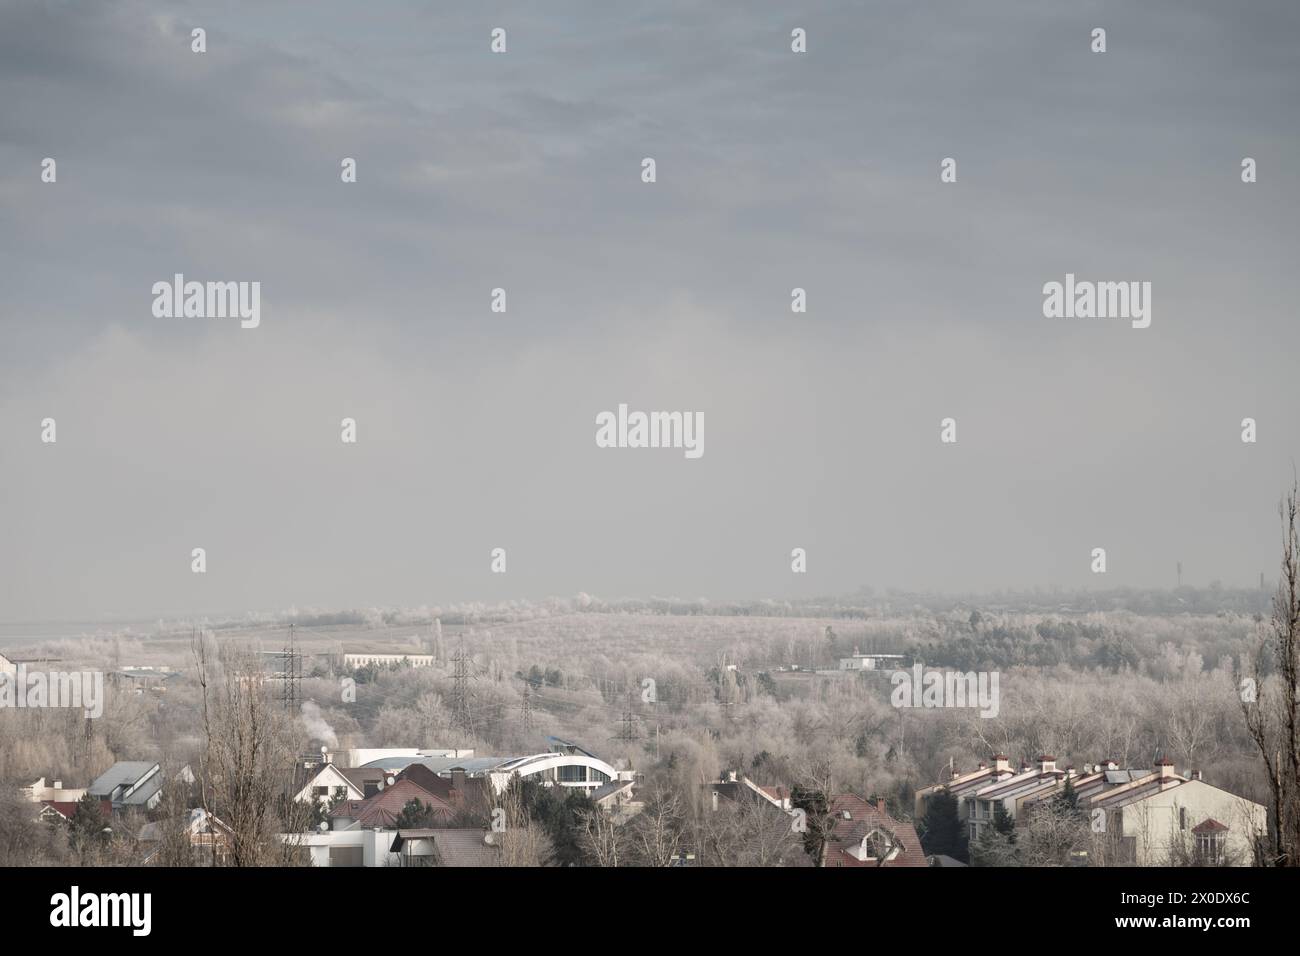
[775, 170]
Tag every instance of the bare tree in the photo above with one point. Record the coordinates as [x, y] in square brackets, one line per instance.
[1272, 711]
[522, 842]
[813, 797]
[602, 839]
[657, 830]
[248, 758]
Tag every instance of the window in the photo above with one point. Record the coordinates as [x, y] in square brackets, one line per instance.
[598, 776]
[571, 773]
[1182, 818]
[1210, 846]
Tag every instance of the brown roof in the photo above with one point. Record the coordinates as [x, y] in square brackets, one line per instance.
[383, 809]
[466, 848]
[863, 819]
[1209, 825]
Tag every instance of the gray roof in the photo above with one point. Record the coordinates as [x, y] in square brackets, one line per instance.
[609, 789]
[125, 774]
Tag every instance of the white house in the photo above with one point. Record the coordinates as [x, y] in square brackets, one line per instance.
[38, 792]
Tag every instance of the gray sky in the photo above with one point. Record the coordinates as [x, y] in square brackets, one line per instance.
[522, 170]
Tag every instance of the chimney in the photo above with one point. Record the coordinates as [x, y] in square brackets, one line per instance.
[458, 779]
[954, 773]
[1087, 769]
[983, 765]
[1196, 775]
[58, 784]
[329, 757]
[880, 805]
[1001, 762]
[731, 776]
[1165, 768]
[1046, 763]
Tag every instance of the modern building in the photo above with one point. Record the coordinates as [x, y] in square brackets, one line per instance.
[564, 765]
[129, 784]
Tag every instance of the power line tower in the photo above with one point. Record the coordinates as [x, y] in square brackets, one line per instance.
[628, 731]
[290, 673]
[526, 708]
[462, 719]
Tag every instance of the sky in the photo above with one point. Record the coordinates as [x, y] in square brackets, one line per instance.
[522, 170]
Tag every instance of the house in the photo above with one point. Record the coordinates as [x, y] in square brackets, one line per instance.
[59, 812]
[1152, 816]
[564, 765]
[613, 796]
[382, 848]
[209, 838]
[864, 834]
[963, 786]
[618, 799]
[1013, 792]
[1163, 818]
[38, 792]
[327, 781]
[129, 784]
[384, 809]
[739, 789]
[450, 847]
[469, 796]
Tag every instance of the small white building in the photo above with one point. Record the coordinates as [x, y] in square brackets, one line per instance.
[872, 662]
[54, 793]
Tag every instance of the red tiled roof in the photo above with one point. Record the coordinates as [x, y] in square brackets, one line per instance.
[66, 808]
[385, 807]
[864, 818]
[1210, 825]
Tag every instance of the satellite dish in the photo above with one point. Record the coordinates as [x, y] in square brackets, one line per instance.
[392, 780]
[324, 827]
